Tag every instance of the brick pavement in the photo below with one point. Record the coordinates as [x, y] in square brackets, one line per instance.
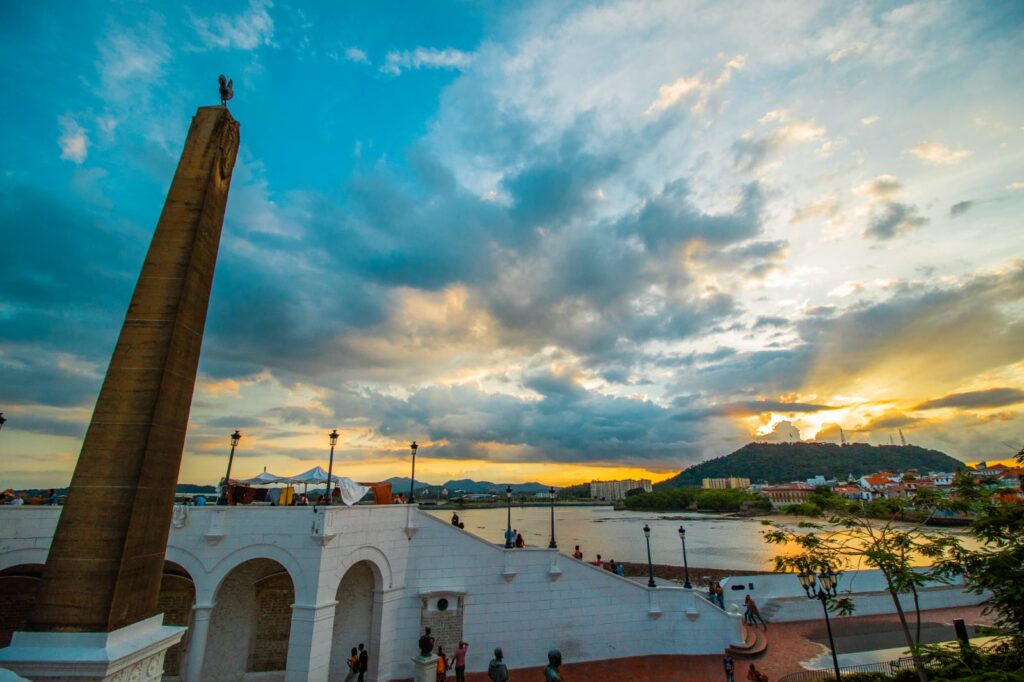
[788, 645]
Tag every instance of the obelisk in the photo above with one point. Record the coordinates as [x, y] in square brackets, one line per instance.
[104, 567]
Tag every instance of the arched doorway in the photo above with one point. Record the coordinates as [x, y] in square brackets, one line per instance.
[18, 588]
[177, 595]
[354, 617]
[251, 622]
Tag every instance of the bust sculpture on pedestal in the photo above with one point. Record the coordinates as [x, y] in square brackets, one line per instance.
[426, 644]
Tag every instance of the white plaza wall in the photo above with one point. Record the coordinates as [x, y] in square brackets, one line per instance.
[526, 601]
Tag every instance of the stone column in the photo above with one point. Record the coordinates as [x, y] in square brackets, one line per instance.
[309, 643]
[107, 556]
[197, 642]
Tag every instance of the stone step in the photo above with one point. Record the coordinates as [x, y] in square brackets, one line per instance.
[754, 646]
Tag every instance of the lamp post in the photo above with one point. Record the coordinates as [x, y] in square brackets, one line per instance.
[508, 531]
[412, 483]
[686, 566]
[551, 494]
[825, 589]
[650, 566]
[333, 435]
[235, 437]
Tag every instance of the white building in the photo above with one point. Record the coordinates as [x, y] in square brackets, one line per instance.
[283, 593]
[616, 490]
[733, 482]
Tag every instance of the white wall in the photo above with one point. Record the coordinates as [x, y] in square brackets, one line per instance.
[784, 599]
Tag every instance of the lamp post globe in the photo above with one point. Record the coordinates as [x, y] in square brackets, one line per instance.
[551, 494]
[822, 587]
[333, 435]
[509, 540]
[650, 566]
[223, 500]
[686, 565]
[412, 483]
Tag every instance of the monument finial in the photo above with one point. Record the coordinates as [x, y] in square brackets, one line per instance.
[227, 89]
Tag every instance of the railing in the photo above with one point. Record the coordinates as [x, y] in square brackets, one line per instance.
[885, 667]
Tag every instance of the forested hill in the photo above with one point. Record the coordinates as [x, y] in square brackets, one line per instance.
[784, 462]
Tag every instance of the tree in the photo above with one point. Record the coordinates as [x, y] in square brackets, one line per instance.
[874, 543]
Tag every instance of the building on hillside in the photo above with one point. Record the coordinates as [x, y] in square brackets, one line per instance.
[725, 483]
[788, 493]
[612, 491]
[988, 470]
[942, 479]
[852, 492]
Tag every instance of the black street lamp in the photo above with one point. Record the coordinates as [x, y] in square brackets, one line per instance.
[650, 566]
[2, 421]
[686, 566]
[825, 589]
[508, 531]
[552, 545]
[412, 483]
[235, 437]
[333, 435]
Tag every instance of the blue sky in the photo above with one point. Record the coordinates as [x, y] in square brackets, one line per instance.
[556, 241]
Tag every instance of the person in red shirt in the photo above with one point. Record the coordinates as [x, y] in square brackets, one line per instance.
[460, 661]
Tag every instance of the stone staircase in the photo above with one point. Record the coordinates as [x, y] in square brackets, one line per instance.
[754, 645]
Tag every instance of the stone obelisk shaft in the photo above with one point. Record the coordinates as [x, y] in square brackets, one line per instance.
[105, 564]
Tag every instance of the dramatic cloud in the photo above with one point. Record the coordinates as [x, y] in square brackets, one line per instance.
[989, 398]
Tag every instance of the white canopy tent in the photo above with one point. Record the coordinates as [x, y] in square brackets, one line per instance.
[264, 478]
[351, 492]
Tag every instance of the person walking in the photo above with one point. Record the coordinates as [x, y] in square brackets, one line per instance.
[364, 662]
[754, 612]
[460, 660]
[497, 671]
[730, 668]
[353, 666]
[755, 675]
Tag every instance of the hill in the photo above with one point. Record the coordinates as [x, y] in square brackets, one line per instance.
[400, 484]
[784, 462]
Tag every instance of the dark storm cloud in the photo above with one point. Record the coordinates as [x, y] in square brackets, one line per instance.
[992, 397]
[891, 219]
[27, 421]
[769, 322]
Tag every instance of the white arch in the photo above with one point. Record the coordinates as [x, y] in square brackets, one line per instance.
[372, 555]
[204, 587]
[272, 552]
[20, 557]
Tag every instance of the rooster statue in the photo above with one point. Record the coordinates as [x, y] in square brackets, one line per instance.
[227, 89]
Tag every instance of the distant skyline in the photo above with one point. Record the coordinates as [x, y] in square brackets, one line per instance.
[548, 241]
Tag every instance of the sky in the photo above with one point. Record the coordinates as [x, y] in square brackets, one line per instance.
[548, 241]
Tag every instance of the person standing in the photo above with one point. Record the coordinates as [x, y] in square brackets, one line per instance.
[510, 537]
[520, 542]
[755, 675]
[578, 555]
[730, 668]
[497, 671]
[618, 570]
[460, 661]
[364, 662]
[442, 665]
[720, 595]
[353, 666]
[455, 518]
[599, 563]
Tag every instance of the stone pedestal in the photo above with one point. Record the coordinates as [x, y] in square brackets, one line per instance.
[425, 668]
[135, 653]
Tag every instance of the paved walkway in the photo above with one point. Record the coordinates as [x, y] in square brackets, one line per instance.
[789, 644]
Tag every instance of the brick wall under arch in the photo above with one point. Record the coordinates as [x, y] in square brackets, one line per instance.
[251, 621]
[18, 588]
[353, 617]
[177, 596]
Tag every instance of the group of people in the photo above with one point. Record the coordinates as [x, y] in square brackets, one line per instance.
[514, 538]
[497, 670]
[610, 565]
[9, 497]
[753, 674]
[358, 664]
[751, 614]
[716, 595]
